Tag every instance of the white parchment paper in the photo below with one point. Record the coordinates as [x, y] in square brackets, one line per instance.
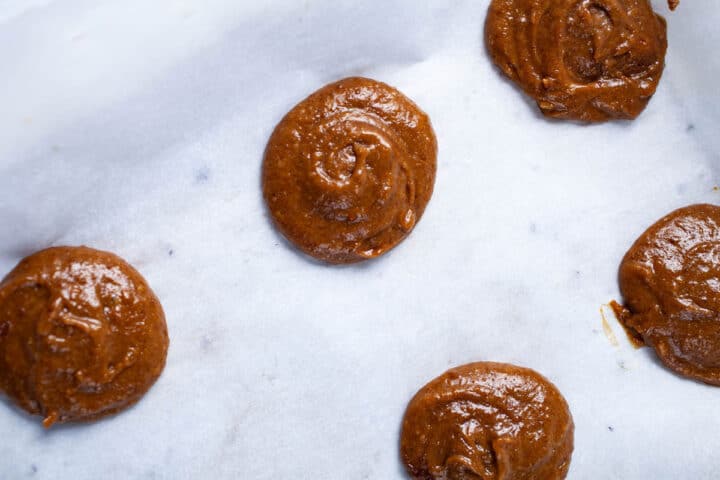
[139, 127]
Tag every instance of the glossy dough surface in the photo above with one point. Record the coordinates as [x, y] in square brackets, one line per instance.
[348, 172]
[579, 59]
[488, 421]
[670, 282]
[81, 334]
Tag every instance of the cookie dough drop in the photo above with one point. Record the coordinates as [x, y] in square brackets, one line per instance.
[488, 421]
[670, 283]
[348, 172]
[580, 60]
[82, 335]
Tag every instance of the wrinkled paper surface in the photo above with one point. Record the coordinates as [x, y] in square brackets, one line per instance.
[139, 127]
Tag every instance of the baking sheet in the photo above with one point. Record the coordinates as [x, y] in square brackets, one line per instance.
[139, 127]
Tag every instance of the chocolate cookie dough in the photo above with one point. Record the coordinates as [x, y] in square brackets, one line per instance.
[488, 421]
[348, 172]
[581, 60]
[81, 334]
[670, 283]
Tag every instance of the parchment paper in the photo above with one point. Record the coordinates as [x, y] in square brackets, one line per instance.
[139, 127]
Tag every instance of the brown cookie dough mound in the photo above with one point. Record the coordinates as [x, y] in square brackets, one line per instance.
[581, 60]
[488, 421]
[348, 172]
[670, 282]
[81, 334]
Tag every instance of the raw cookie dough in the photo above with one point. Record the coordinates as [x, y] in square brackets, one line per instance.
[81, 334]
[348, 172]
[670, 283]
[488, 421]
[580, 60]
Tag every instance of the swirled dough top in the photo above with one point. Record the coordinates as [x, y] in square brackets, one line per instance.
[587, 60]
[348, 172]
[488, 421]
[670, 282]
[81, 334]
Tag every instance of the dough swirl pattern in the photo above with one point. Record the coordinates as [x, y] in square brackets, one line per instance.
[348, 172]
[488, 421]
